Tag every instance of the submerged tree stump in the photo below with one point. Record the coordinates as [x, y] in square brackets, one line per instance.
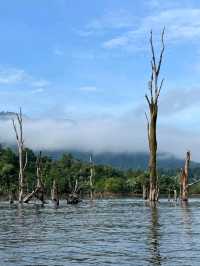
[55, 193]
[73, 199]
[145, 192]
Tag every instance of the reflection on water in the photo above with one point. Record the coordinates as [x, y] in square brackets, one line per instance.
[154, 235]
[102, 232]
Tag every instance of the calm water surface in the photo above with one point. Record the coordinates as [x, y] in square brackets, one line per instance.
[105, 232]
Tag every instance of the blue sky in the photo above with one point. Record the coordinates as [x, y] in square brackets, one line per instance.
[87, 60]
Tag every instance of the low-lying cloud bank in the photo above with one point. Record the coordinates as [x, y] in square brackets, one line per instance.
[125, 134]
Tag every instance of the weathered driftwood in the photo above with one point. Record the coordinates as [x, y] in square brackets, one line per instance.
[194, 183]
[152, 100]
[184, 187]
[55, 193]
[18, 129]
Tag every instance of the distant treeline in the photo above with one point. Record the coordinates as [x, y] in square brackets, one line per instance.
[67, 170]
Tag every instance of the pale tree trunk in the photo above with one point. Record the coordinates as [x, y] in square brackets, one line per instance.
[21, 152]
[152, 121]
[184, 186]
[175, 195]
[38, 192]
[73, 197]
[91, 178]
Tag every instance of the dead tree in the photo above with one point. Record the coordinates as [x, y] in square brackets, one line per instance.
[55, 193]
[21, 152]
[184, 186]
[73, 197]
[91, 178]
[155, 88]
[38, 192]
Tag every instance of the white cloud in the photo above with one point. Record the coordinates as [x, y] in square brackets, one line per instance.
[12, 76]
[15, 76]
[181, 25]
[113, 20]
[123, 134]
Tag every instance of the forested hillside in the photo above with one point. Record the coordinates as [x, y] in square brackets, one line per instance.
[67, 170]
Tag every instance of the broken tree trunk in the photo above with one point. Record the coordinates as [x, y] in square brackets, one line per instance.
[55, 193]
[21, 152]
[152, 101]
[184, 186]
[74, 198]
[38, 192]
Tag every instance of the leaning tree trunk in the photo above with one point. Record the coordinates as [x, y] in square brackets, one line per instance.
[21, 152]
[152, 120]
[184, 186]
[38, 192]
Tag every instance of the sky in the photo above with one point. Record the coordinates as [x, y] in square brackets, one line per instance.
[80, 69]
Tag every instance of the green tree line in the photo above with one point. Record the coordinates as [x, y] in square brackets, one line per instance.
[67, 170]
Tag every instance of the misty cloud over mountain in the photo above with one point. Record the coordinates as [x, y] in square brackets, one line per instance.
[97, 135]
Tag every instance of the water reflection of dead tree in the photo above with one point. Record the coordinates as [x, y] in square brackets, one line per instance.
[154, 236]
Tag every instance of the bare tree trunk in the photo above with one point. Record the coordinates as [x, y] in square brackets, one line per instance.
[152, 122]
[55, 193]
[184, 187]
[175, 195]
[73, 197]
[145, 192]
[38, 192]
[21, 151]
[91, 178]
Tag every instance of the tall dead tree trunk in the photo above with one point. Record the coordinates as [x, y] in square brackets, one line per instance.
[152, 100]
[22, 153]
[91, 178]
[184, 186]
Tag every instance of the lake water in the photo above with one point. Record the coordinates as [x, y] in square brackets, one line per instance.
[104, 232]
